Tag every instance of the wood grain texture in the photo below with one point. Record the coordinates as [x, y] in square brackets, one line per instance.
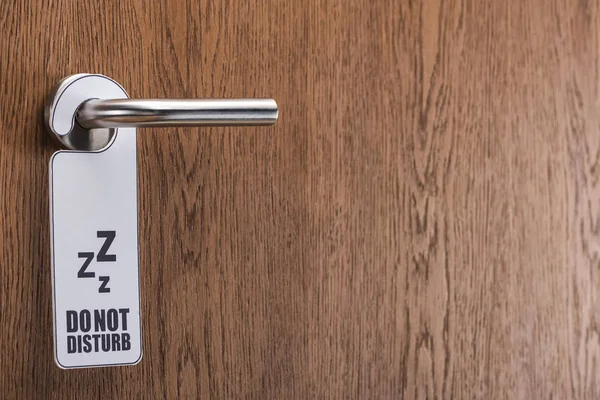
[422, 222]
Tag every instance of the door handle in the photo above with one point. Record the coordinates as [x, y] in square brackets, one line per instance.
[78, 116]
[158, 112]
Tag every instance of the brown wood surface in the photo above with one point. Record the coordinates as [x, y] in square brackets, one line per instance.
[422, 222]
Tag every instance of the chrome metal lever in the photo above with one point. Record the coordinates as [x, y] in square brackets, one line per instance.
[81, 115]
[158, 112]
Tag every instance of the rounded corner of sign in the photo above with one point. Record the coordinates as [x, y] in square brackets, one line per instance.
[61, 366]
[54, 156]
[139, 359]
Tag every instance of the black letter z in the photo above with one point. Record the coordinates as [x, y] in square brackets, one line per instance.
[109, 236]
[88, 259]
[103, 288]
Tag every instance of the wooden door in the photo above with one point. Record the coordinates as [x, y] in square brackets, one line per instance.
[422, 222]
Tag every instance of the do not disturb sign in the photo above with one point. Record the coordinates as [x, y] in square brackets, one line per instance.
[93, 211]
[98, 331]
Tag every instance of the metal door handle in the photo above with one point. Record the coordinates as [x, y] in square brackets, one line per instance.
[81, 115]
[161, 112]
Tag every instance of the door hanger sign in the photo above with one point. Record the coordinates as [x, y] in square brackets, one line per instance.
[94, 239]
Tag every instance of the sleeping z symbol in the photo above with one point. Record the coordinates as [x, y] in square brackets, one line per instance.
[103, 256]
